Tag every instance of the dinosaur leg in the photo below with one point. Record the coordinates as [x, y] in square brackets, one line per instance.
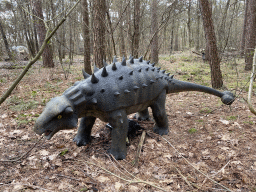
[142, 115]
[83, 136]
[158, 109]
[118, 120]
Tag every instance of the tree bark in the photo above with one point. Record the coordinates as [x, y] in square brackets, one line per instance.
[216, 76]
[86, 33]
[136, 35]
[244, 28]
[99, 51]
[154, 29]
[189, 24]
[198, 27]
[47, 54]
[250, 37]
[5, 41]
[122, 51]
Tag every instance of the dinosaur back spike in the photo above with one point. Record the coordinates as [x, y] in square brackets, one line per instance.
[104, 72]
[114, 60]
[114, 67]
[86, 75]
[95, 69]
[94, 79]
[141, 59]
[131, 60]
[105, 63]
[123, 62]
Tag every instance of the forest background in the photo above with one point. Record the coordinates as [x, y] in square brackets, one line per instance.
[207, 42]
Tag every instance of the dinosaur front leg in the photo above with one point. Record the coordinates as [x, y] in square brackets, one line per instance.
[118, 120]
[142, 115]
[158, 110]
[83, 136]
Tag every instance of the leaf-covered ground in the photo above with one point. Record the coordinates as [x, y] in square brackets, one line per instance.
[210, 147]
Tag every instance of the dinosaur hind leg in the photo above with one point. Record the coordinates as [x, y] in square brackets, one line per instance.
[158, 110]
[118, 120]
[83, 136]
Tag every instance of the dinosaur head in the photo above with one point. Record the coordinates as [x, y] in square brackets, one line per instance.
[57, 115]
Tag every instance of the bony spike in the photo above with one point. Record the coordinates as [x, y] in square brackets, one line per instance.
[132, 60]
[94, 79]
[104, 72]
[114, 60]
[123, 62]
[95, 68]
[114, 67]
[86, 75]
[117, 94]
[104, 63]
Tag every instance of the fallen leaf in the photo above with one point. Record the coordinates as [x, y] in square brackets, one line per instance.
[225, 122]
[225, 137]
[4, 116]
[102, 179]
[24, 137]
[118, 185]
[44, 152]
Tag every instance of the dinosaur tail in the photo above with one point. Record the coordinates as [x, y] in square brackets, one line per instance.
[175, 86]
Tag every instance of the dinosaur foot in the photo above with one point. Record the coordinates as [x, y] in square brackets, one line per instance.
[82, 140]
[117, 154]
[161, 130]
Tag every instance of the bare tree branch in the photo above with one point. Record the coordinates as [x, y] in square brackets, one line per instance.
[251, 85]
[49, 35]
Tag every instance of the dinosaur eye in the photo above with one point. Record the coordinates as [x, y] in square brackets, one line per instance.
[59, 116]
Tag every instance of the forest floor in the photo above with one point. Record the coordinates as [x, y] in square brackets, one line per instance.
[210, 147]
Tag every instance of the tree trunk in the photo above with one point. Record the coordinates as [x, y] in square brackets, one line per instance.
[189, 23]
[216, 76]
[222, 28]
[154, 33]
[86, 33]
[47, 54]
[5, 41]
[198, 27]
[99, 54]
[250, 37]
[136, 36]
[244, 28]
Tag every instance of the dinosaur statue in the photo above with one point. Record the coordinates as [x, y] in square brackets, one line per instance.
[111, 93]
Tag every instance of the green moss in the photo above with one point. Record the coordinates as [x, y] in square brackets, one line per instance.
[192, 130]
[232, 118]
[205, 110]
[64, 152]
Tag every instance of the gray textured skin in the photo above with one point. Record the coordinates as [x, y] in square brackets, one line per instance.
[112, 93]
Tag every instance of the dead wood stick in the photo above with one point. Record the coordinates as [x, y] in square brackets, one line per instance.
[21, 157]
[136, 161]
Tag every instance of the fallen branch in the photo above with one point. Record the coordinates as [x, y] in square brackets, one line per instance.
[184, 178]
[127, 180]
[49, 35]
[195, 167]
[27, 186]
[24, 155]
[137, 156]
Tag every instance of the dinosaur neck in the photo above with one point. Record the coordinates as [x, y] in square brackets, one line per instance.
[77, 98]
[176, 86]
